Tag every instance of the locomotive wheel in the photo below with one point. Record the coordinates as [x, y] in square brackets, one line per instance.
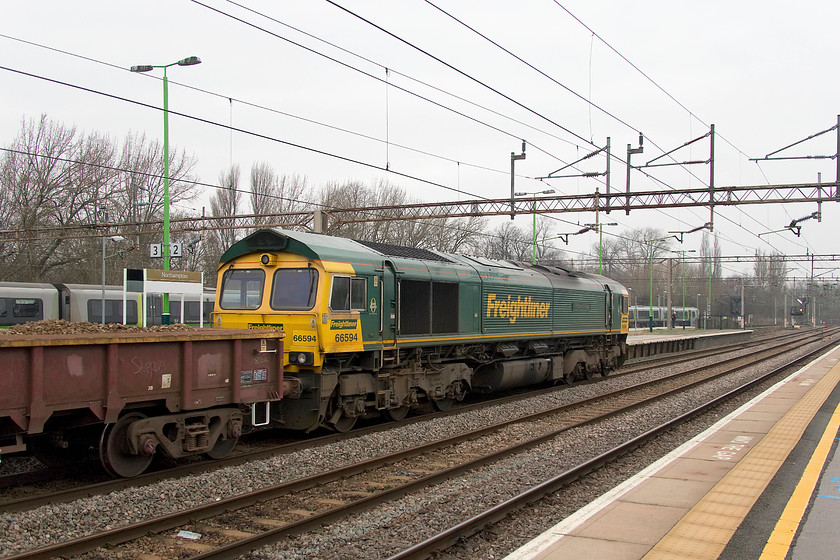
[222, 448]
[397, 414]
[113, 449]
[344, 423]
[568, 378]
[443, 404]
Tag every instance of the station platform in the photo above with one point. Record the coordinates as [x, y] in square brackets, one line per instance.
[762, 483]
[643, 344]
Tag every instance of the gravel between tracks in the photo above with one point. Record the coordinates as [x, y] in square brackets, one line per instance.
[386, 529]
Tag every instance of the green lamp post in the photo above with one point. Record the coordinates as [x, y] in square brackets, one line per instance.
[189, 61]
[534, 207]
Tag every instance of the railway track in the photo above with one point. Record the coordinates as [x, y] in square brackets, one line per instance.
[308, 503]
[486, 520]
[30, 490]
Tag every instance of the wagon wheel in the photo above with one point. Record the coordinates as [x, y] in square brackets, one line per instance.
[114, 452]
[222, 448]
[397, 414]
[54, 456]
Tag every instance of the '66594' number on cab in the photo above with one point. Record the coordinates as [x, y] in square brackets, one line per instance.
[347, 337]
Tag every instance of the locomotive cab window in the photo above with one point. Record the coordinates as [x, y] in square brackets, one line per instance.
[294, 289]
[242, 289]
[348, 294]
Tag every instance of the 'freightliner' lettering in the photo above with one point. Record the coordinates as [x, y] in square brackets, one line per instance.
[513, 309]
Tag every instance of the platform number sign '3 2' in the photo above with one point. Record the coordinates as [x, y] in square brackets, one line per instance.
[156, 250]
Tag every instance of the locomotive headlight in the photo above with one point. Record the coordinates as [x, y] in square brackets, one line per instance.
[301, 358]
[265, 260]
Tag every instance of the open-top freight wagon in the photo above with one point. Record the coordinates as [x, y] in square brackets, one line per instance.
[132, 395]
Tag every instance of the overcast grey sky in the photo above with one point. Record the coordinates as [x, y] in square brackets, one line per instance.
[764, 72]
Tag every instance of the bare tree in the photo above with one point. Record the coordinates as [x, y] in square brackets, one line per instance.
[769, 270]
[54, 180]
[446, 235]
[225, 205]
[506, 242]
[271, 195]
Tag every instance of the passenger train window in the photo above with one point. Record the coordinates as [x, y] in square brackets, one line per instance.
[294, 289]
[242, 289]
[348, 294]
[113, 311]
[14, 310]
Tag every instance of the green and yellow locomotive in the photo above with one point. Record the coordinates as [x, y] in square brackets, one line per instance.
[373, 328]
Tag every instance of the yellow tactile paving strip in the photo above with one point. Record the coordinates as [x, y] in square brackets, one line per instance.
[780, 540]
[706, 529]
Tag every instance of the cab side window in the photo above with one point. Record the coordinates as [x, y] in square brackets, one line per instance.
[348, 293]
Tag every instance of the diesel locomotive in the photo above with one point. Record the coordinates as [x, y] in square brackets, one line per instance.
[377, 329]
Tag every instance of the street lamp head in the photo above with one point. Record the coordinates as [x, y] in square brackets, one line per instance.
[519, 194]
[116, 238]
[548, 191]
[189, 61]
[142, 68]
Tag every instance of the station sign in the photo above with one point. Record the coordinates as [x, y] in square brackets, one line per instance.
[175, 250]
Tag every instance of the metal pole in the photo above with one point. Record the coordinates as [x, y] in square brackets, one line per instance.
[164, 320]
[608, 174]
[683, 275]
[103, 280]
[512, 160]
[650, 313]
[712, 177]
[627, 196]
[697, 324]
[600, 246]
[709, 299]
[534, 245]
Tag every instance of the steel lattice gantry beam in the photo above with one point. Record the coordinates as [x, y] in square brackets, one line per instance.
[325, 219]
[683, 198]
[697, 259]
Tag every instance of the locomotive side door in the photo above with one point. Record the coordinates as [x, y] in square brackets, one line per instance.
[388, 293]
[608, 308]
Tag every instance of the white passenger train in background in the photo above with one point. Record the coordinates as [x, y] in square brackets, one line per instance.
[639, 316]
[21, 302]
